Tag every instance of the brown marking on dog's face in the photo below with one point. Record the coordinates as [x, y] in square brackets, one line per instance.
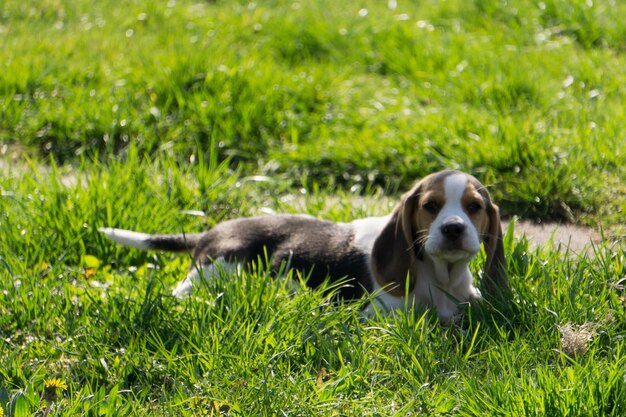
[475, 205]
[432, 198]
[429, 201]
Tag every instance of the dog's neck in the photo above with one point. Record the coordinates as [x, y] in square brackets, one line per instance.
[447, 273]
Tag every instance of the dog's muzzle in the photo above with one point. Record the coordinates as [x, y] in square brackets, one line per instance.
[453, 229]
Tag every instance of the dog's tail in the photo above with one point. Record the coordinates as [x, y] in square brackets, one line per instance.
[171, 243]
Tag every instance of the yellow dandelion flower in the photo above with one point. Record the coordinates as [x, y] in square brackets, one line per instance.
[55, 383]
[1, 411]
[51, 388]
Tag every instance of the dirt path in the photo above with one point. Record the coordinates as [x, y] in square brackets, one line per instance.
[578, 238]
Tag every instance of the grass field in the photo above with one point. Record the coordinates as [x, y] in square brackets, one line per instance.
[136, 114]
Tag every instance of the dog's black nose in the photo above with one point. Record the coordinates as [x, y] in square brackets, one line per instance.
[453, 229]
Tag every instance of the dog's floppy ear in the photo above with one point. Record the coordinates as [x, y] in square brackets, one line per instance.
[495, 280]
[394, 251]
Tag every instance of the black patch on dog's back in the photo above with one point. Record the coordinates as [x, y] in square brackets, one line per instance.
[317, 249]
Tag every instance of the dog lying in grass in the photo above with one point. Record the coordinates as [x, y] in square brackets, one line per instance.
[421, 251]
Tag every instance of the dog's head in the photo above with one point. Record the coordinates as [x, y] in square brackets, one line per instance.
[446, 216]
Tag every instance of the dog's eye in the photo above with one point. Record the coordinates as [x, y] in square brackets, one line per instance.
[431, 207]
[473, 208]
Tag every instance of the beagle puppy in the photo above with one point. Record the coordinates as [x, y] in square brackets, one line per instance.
[421, 251]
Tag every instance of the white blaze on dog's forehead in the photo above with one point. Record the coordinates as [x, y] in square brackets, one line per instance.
[454, 187]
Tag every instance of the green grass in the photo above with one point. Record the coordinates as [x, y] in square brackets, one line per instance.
[131, 114]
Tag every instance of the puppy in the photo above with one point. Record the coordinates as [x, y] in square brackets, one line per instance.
[421, 251]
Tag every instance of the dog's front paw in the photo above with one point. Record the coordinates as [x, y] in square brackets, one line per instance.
[475, 295]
